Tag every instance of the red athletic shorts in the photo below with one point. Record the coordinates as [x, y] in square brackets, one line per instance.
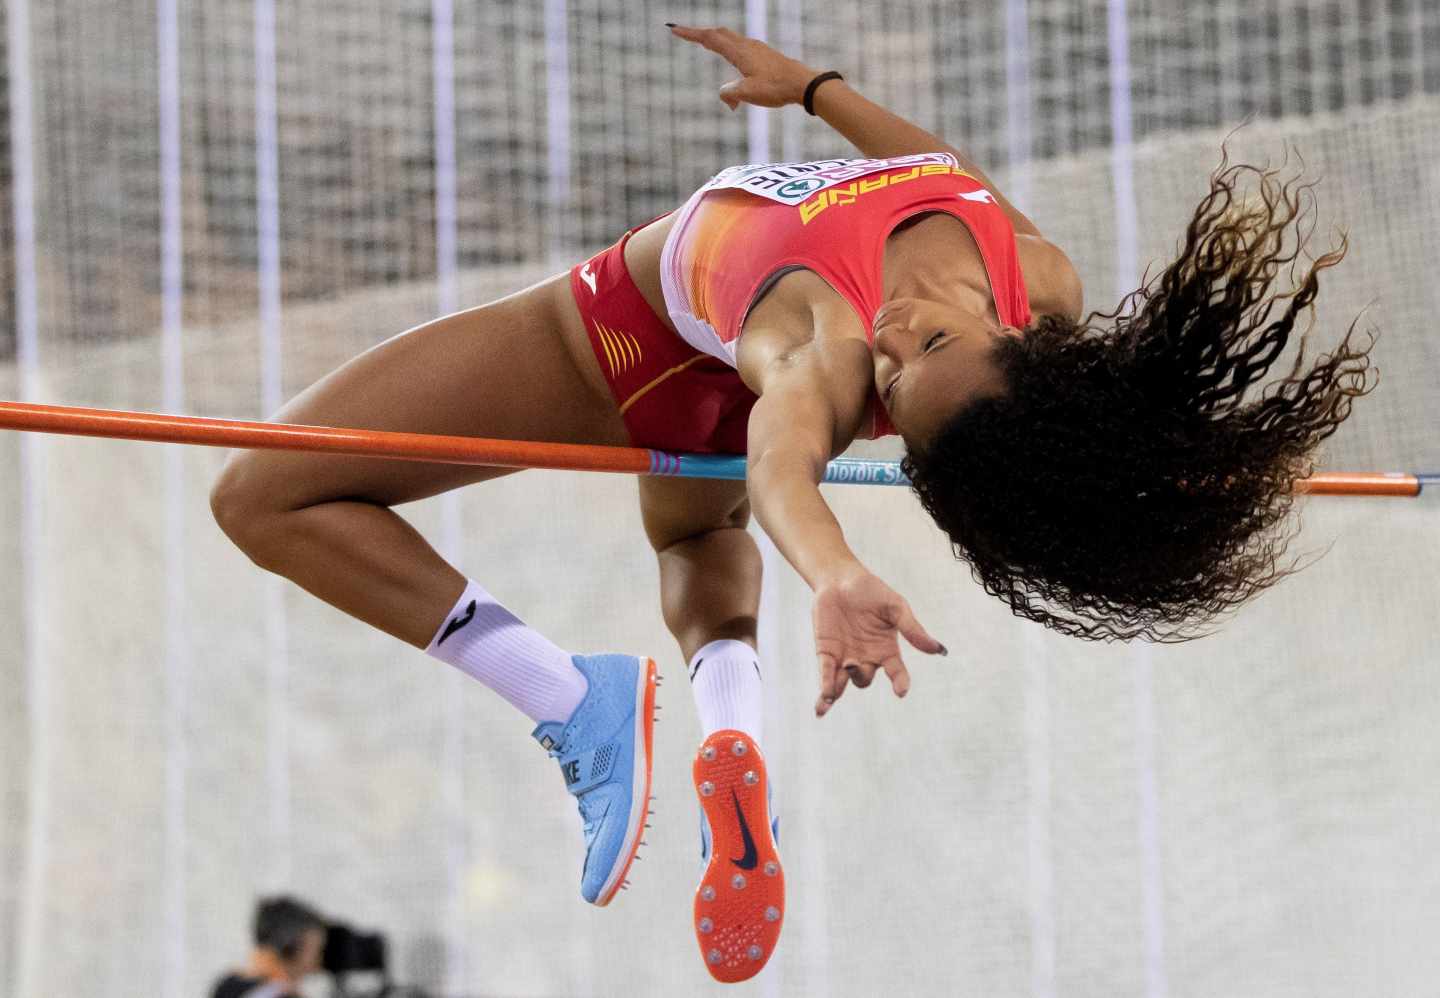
[671, 396]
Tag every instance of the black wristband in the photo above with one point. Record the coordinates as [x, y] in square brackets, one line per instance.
[809, 100]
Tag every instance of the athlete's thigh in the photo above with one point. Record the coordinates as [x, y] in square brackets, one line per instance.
[501, 370]
[673, 509]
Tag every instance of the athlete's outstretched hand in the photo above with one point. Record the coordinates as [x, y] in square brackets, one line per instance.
[770, 79]
[857, 620]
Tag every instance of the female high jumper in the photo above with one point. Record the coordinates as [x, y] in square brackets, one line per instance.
[1102, 476]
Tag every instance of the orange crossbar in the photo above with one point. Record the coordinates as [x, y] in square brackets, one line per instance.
[456, 450]
[287, 436]
[1361, 483]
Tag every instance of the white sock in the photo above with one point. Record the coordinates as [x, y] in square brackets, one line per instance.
[725, 678]
[483, 639]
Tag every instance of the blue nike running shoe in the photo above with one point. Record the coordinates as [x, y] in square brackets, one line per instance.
[604, 751]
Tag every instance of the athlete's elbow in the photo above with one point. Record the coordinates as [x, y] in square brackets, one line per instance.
[1058, 290]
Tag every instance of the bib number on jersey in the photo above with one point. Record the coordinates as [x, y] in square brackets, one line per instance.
[792, 183]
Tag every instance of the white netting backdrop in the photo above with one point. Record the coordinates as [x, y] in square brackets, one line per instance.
[209, 204]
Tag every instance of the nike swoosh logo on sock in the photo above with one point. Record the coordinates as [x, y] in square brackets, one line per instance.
[457, 622]
[751, 857]
[696, 671]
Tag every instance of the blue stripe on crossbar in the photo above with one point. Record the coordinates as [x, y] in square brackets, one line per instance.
[844, 470]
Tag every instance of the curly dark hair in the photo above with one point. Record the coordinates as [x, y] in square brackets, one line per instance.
[1124, 486]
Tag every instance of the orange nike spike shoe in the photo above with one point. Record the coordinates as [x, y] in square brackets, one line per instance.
[740, 903]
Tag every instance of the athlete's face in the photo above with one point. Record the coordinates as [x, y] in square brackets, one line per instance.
[931, 360]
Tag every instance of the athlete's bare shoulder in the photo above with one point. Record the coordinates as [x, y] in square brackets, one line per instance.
[1050, 279]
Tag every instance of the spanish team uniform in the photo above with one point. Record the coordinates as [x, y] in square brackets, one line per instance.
[730, 242]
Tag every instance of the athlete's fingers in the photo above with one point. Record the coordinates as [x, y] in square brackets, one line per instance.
[917, 635]
[753, 90]
[829, 677]
[899, 675]
[721, 41]
[732, 93]
[832, 684]
[701, 36]
[827, 700]
[862, 674]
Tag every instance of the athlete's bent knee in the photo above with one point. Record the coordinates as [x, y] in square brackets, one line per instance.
[241, 513]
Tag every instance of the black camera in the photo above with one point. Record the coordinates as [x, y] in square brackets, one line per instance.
[356, 963]
[347, 950]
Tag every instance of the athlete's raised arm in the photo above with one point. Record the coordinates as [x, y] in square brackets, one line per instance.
[812, 401]
[772, 79]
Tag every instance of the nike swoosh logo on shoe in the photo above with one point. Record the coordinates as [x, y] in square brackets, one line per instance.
[751, 857]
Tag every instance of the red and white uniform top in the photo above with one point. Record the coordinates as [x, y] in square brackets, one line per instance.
[750, 224]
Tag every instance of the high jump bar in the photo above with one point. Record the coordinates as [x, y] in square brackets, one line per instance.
[165, 428]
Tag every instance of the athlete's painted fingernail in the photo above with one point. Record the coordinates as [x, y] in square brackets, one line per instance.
[943, 649]
[669, 24]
